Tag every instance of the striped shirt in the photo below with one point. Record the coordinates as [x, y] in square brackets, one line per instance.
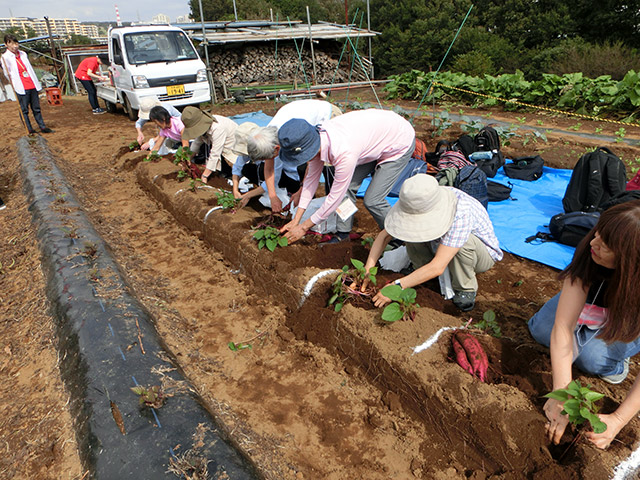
[471, 218]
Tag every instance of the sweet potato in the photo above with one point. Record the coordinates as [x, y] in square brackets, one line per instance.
[470, 355]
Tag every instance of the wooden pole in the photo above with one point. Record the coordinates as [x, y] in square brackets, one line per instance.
[212, 87]
[313, 57]
[53, 50]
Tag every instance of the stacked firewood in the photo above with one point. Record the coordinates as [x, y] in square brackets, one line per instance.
[259, 64]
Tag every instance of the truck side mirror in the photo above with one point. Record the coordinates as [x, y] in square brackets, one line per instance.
[117, 59]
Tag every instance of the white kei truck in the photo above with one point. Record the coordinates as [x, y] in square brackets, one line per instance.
[157, 60]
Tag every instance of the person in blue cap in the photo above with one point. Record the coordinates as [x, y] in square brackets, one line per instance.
[357, 144]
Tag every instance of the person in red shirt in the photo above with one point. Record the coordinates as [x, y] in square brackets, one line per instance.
[87, 71]
[18, 70]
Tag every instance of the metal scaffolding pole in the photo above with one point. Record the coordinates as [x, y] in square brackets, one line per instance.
[212, 88]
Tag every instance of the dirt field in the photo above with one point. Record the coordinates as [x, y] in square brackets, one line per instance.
[297, 406]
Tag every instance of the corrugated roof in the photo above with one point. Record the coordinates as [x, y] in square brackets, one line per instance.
[233, 32]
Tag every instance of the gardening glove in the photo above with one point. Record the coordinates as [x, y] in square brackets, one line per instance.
[557, 422]
[614, 425]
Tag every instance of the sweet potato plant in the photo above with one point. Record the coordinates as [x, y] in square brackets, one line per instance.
[403, 305]
[270, 237]
[188, 169]
[226, 200]
[347, 285]
[579, 405]
[152, 397]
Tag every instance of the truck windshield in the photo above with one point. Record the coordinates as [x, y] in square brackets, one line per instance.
[150, 47]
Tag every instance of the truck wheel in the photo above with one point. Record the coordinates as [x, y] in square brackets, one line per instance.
[110, 107]
[131, 113]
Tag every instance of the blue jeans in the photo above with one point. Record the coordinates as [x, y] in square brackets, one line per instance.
[594, 356]
[92, 92]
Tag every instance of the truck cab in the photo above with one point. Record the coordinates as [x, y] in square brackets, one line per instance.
[157, 60]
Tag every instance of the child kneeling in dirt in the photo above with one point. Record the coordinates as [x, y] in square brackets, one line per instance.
[442, 227]
[593, 322]
[170, 127]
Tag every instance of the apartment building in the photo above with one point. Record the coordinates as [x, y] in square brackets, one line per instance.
[59, 26]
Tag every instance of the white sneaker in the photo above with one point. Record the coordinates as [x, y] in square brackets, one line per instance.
[618, 378]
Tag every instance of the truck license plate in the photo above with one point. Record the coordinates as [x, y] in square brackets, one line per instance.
[175, 90]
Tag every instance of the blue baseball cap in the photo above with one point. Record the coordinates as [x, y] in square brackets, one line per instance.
[299, 141]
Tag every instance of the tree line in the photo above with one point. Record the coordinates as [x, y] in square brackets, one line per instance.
[534, 36]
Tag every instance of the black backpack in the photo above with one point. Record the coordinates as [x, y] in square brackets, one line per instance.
[498, 191]
[623, 197]
[487, 139]
[568, 228]
[525, 168]
[598, 176]
[465, 145]
[473, 181]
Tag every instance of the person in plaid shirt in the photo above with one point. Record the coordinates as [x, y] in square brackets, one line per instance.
[442, 227]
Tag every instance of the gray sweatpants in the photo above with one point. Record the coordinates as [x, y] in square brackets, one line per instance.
[383, 178]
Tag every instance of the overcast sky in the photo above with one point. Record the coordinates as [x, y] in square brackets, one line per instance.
[130, 10]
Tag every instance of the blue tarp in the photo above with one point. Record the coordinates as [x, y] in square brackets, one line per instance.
[515, 220]
[259, 118]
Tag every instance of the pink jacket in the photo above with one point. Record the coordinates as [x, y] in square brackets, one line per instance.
[350, 140]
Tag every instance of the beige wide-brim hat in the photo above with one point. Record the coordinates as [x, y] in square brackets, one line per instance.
[242, 133]
[146, 104]
[196, 123]
[424, 211]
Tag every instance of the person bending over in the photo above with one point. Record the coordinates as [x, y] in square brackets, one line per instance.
[170, 128]
[594, 322]
[146, 104]
[87, 72]
[358, 144]
[217, 132]
[263, 144]
[441, 227]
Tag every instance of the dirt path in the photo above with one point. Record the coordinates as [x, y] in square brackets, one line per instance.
[299, 411]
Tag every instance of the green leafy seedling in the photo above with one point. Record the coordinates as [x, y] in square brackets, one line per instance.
[620, 133]
[403, 304]
[367, 242]
[346, 285]
[152, 157]
[599, 129]
[518, 283]
[489, 324]
[270, 237]
[152, 397]
[226, 200]
[134, 146]
[236, 347]
[579, 405]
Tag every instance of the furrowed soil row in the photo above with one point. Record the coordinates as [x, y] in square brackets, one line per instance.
[491, 427]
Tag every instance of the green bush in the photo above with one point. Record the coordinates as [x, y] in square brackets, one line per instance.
[614, 59]
[473, 63]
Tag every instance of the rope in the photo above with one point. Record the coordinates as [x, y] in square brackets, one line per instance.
[304, 73]
[365, 72]
[528, 105]
[353, 60]
[275, 72]
[443, 59]
[344, 47]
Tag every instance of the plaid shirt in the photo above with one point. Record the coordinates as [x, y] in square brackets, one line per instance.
[471, 217]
